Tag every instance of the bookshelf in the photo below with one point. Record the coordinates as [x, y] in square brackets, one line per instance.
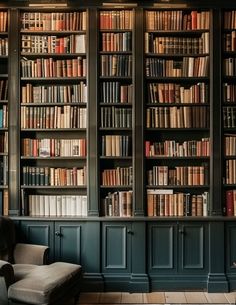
[177, 112]
[125, 129]
[3, 112]
[53, 113]
[116, 99]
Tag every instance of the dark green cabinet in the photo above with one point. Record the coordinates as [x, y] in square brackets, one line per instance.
[75, 242]
[177, 252]
[123, 256]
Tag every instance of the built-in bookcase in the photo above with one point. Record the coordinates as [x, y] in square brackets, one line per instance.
[177, 112]
[4, 112]
[229, 110]
[53, 113]
[115, 121]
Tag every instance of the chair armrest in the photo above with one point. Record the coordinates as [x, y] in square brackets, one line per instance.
[6, 280]
[30, 254]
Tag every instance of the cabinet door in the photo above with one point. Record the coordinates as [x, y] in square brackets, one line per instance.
[162, 248]
[116, 246]
[231, 248]
[193, 248]
[39, 233]
[68, 239]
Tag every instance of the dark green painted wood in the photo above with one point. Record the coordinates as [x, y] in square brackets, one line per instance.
[39, 233]
[68, 242]
[92, 136]
[116, 248]
[231, 248]
[215, 116]
[193, 247]
[14, 117]
[162, 248]
[230, 233]
[139, 279]
[217, 281]
[138, 132]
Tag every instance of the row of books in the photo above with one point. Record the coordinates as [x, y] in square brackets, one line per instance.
[230, 20]
[4, 203]
[177, 20]
[53, 117]
[54, 21]
[118, 204]
[53, 147]
[229, 66]
[178, 175]
[176, 93]
[117, 176]
[115, 92]
[74, 93]
[113, 42]
[3, 116]
[116, 20]
[177, 117]
[3, 21]
[176, 45]
[4, 142]
[116, 117]
[116, 146]
[172, 148]
[57, 206]
[75, 43]
[4, 170]
[49, 67]
[230, 145]
[230, 41]
[3, 89]
[116, 65]
[3, 46]
[230, 172]
[185, 67]
[229, 117]
[45, 176]
[167, 203]
[229, 93]
[230, 197]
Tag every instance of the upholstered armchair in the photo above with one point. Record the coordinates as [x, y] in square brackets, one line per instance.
[24, 277]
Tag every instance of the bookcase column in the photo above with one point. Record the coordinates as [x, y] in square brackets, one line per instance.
[93, 174]
[14, 115]
[215, 119]
[217, 281]
[138, 163]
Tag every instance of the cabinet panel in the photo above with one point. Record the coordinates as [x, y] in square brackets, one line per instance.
[162, 247]
[192, 247]
[116, 248]
[39, 233]
[231, 248]
[68, 242]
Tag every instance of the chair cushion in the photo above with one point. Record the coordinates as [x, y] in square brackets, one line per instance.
[46, 284]
[21, 270]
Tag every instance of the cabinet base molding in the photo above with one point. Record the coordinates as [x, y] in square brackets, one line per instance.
[129, 283]
[178, 282]
[139, 283]
[92, 282]
[217, 282]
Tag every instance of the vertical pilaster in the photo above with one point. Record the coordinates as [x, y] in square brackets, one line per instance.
[14, 114]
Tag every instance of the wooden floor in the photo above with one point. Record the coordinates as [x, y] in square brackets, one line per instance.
[158, 298]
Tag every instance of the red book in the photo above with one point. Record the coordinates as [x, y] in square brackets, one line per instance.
[229, 203]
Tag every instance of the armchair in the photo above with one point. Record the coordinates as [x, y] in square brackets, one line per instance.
[24, 277]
